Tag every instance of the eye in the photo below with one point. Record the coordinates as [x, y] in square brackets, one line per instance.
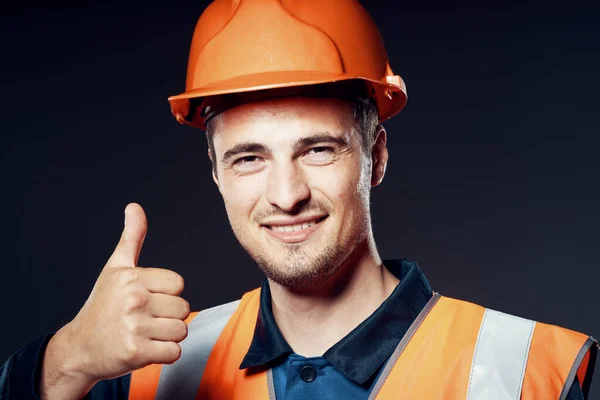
[247, 160]
[248, 164]
[316, 150]
[321, 155]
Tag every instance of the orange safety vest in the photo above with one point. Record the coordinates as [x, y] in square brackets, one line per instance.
[453, 350]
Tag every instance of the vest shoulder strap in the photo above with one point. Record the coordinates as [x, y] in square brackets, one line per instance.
[500, 356]
[524, 359]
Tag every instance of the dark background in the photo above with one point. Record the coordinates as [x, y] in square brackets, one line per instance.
[492, 184]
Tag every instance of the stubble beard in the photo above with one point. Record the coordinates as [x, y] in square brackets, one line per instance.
[301, 270]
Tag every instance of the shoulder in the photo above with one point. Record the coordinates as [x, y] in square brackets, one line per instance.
[553, 357]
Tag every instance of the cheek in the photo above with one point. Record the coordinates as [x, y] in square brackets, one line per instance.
[240, 196]
[340, 185]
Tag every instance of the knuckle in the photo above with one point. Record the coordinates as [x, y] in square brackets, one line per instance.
[135, 329]
[179, 283]
[128, 276]
[133, 352]
[181, 331]
[173, 353]
[185, 308]
[136, 301]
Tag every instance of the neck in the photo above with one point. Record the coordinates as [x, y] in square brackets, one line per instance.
[312, 320]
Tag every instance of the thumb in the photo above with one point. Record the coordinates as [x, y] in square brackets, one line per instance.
[128, 249]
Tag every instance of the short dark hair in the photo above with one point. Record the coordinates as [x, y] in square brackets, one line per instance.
[364, 112]
[366, 116]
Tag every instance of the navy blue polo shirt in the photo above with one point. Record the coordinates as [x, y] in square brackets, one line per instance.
[348, 370]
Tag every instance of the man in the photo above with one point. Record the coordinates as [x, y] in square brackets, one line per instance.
[292, 95]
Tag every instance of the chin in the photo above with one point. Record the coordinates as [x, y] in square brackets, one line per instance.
[300, 270]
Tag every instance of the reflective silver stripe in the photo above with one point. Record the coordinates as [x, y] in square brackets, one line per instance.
[181, 379]
[500, 357]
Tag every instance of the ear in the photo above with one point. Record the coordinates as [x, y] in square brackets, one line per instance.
[379, 156]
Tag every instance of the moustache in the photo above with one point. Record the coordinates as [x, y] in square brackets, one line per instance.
[313, 206]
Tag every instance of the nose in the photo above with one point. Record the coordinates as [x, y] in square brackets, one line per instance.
[287, 188]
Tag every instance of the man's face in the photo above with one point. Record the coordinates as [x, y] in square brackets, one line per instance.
[295, 180]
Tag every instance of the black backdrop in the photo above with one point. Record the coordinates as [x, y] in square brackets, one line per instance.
[492, 184]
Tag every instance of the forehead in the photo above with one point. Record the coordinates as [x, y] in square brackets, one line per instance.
[286, 117]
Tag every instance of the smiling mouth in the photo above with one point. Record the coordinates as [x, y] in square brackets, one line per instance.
[295, 227]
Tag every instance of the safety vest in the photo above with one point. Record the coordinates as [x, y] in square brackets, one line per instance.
[453, 350]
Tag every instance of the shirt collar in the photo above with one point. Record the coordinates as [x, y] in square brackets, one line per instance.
[361, 353]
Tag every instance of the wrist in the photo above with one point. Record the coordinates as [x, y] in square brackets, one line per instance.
[63, 368]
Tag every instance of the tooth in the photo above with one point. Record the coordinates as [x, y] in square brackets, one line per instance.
[293, 228]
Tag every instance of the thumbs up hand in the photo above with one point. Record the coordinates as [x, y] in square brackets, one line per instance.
[134, 232]
[133, 316]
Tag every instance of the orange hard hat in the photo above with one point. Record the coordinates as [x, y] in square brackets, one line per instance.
[242, 46]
